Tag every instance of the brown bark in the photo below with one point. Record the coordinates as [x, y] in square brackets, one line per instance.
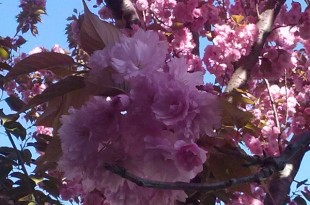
[279, 187]
[247, 63]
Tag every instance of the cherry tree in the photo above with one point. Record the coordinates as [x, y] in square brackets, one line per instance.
[126, 117]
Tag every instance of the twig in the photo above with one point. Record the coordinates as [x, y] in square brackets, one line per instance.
[22, 164]
[286, 95]
[275, 113]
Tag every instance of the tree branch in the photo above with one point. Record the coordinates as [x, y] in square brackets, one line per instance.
[279, 187]
[247, 63]
[206, 187]
[269, 166]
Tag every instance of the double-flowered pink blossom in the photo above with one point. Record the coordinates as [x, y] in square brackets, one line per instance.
[151, 130]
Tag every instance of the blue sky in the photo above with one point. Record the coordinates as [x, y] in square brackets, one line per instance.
[52, 31]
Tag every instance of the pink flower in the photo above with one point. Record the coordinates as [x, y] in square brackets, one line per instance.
[171, 102]
[178, 69]
[189, 156]
[144, 52]
[142, 5]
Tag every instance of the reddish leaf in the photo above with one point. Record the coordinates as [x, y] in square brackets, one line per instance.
[95, 33]
[230, 164]
[60, 88]
[5, 66]
[306, 195]
[51, 156]
[233, 116]
[299, 200]
[46, 60]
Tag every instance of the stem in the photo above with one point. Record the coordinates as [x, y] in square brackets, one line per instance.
[22, 164]
[275, 113]
[286, 95]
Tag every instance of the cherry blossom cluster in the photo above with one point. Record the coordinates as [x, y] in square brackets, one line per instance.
[151, 129]
[30, 15]
[273, 134]
[230, 43]
[285, 63]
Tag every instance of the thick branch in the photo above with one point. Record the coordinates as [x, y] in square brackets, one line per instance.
[247, 63]
[279, 188]
[269, 167]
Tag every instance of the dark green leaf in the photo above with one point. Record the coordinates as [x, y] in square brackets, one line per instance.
[6, 168]
[19, 175]
[43, 197]
[4, 118]
[50, 187]
[26, 154]
[15, 103]
[10, 154]
[19, 192]
[16, 129]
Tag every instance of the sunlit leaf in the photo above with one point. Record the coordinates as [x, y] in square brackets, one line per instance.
[237, 18]
[251, 128]
[233, 116]
[45, 60]
[4, 54]
[39, 11]
[36, 180]
[4, 118]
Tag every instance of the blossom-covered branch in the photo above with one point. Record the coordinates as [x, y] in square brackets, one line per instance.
[247, 63]
[269, 166]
